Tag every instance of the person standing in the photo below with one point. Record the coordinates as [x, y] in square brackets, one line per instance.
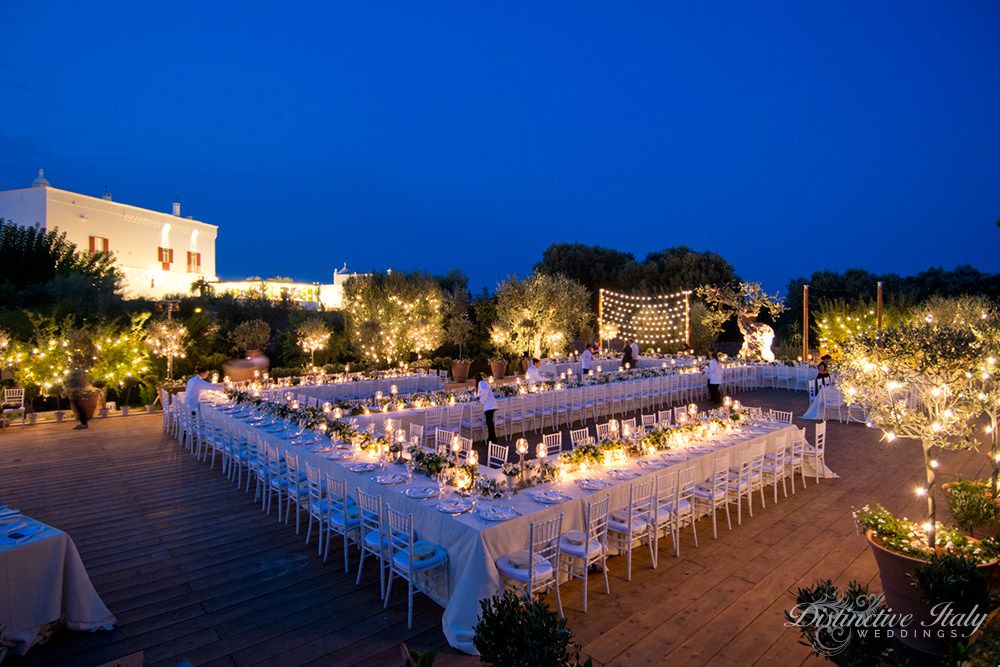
[78, 387]
[534, 373]
[628, 357]
[715, 379]
[197, 384]
[635, 352]
[489, 403]
[587, 358]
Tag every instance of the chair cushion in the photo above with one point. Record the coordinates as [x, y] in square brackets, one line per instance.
[569, 545]
[515, 566]
[425, 555]
[618, 522]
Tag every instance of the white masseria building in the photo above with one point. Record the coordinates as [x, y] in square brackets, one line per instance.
[158, 253]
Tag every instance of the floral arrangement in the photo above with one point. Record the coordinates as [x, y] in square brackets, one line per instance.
[903, 536]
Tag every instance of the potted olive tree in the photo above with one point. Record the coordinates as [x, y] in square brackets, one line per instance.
[457, 330]
[914, 383]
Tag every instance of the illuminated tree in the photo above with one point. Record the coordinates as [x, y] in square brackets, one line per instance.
[120, 354]
[979, 315]
[914, 382]
[45, 360]
[168, 338]
[543, 312]
[838, 320]
[391, 317]
[313, 335]
[745, 301]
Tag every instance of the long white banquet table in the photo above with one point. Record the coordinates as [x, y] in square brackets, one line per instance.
[472, 543]
[42, 582]
[352, 389]
[556, 368]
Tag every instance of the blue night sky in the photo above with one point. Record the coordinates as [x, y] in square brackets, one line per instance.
[789, 137]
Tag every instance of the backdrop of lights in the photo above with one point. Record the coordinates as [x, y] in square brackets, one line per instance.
[660, 320]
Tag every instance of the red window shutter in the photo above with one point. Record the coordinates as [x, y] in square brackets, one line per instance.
[92, 244]
[104, 245]
[159, 254]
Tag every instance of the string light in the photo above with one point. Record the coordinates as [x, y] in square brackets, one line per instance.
[663, 319]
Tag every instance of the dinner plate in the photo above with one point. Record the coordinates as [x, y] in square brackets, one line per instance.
[361, 467]
[550, 497]
[421, 492]
[390, 478]
[339, 455]
[650, 464]
[623, 474]
[497, 513]
[454, 506]
[589, 484]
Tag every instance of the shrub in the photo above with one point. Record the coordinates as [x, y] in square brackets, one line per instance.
[971, 504]
[513, 630]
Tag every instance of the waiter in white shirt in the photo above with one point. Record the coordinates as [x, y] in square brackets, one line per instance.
[635, 353]
[489, 403]
[715, 378]
[196, 385]
[588, 358]
[533, 374]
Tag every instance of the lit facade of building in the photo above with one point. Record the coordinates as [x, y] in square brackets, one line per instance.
[308, 295]
[158, 253]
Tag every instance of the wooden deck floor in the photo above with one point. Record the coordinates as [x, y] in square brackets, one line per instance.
[193, 569]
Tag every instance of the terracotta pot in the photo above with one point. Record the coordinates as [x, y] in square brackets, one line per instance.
[91, 401]
[124, 411]
[460, 370]
[904, 596]
[498, 368]
[33, 418]
[150, 408]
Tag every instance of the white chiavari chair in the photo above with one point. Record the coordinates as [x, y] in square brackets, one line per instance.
[648, 421]
[713, 494]
[296, 492]
[816, 453]
[535, 570]
[342, 517]
[774, 468]
[373, 537]
[422, 564]
[582, 549]
[634, 523]
[316, 505]
[553, 443]
[496, 455]
[580, 436]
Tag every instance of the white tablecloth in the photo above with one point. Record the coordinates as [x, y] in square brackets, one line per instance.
[42, 581]
[473, 545]
[829, 404]
[338, 391]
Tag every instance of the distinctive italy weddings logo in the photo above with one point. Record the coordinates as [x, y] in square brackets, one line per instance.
[830, 623]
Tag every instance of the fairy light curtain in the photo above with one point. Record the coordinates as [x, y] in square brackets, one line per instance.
[660, 320]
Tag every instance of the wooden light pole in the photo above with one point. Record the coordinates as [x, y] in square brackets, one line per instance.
[687, 319]
[878, 309]
[805, 322]
[600, 322]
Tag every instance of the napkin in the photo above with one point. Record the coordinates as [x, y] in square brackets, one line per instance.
[520, 559]
[422, 550]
